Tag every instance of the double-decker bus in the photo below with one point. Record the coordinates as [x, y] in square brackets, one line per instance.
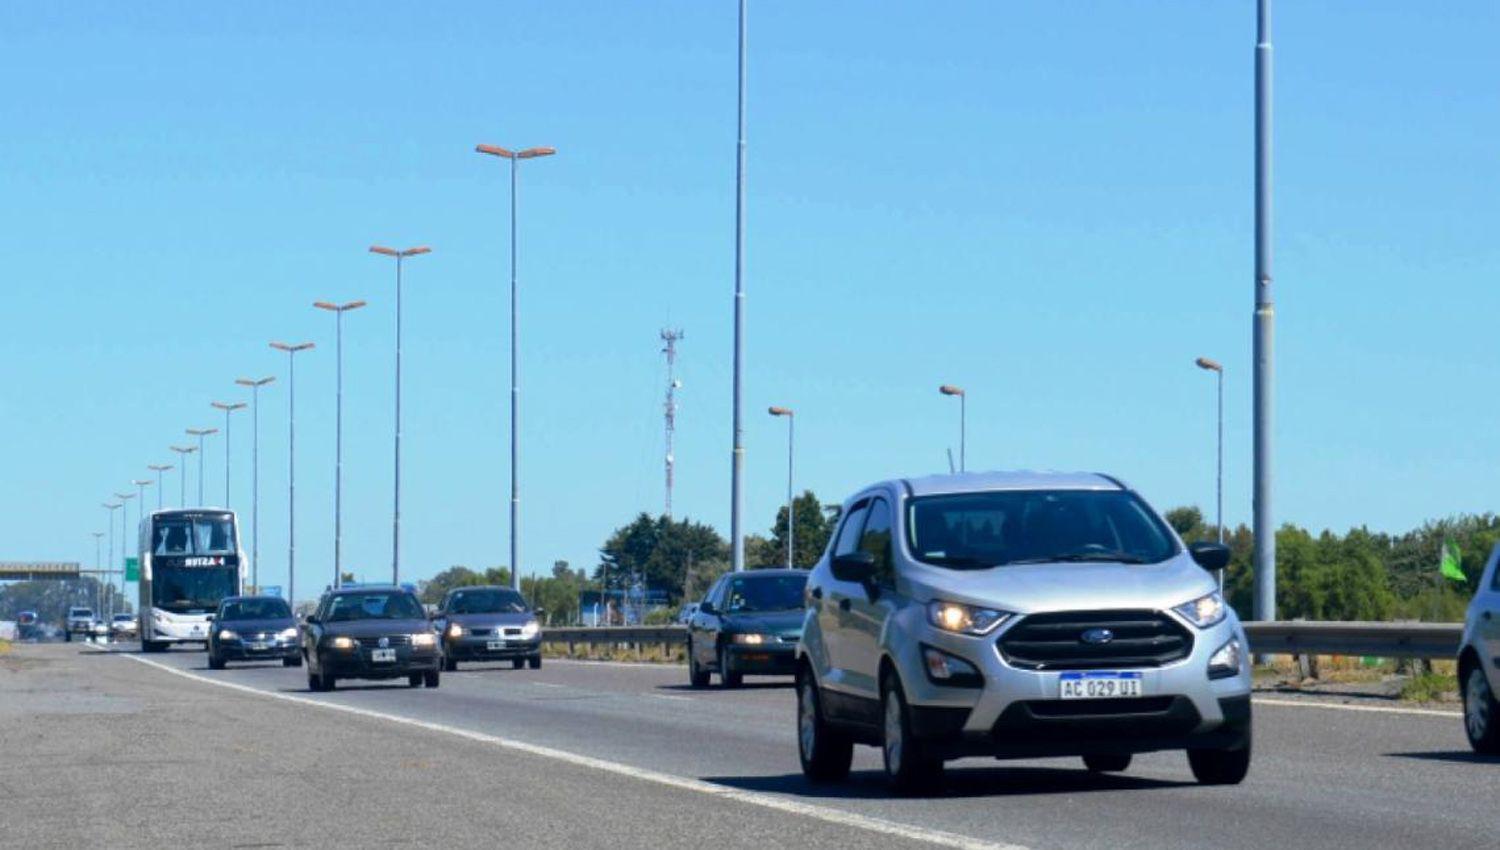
[189, 559]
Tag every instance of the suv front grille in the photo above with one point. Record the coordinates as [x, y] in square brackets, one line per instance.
[1055, 641]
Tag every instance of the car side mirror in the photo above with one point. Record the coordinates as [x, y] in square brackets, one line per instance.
[1210, 556]
[706, 608]
[854, 566]
[310, 619]
[211, 617]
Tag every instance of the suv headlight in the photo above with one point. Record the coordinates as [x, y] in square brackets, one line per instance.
[287, 634]
[752, 639]
[229, 634]
[424, 640]
[965, 619]
[531, 629]
[342, 642]
[1225, 663]
[1204, 611]
[455, 630]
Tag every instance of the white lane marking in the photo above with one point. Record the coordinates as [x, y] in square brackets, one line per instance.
[754, 798]
[672, 697]
[545, 685]
[1375, 709]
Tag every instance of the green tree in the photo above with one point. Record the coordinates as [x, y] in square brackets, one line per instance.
[432, 591]
[1188, 523]
[814, 525]
[658, 552]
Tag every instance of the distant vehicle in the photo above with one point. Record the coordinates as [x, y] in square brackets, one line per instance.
[190, 560]
[686, 612]
[253, 628]
[1479, 662]
[488, 624]
[369, 633]
[123, 625]
[1018, 615]
[26, 625]
[80, 621]
[100, 629]
[749, 622]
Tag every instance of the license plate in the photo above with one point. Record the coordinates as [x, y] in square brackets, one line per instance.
[1100, 684]
[496, 644]
[378, 655]
[258, 646]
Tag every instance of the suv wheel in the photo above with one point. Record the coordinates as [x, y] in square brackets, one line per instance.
[431, 678]
[215, 662]
[450, 665]
[825, 752]
[534, 662]
[726, 678]
[908, 767]
[414, 680]
[697, 676]
[1481, 713]
[1221, 767]
[1107, 763]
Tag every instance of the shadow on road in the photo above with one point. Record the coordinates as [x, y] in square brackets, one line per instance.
[1460, 756]
[957, 783]
[715, 688]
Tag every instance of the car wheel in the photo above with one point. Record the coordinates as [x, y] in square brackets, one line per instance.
[431, 678]
[450, 665]
[697, 676]
[215, 662]
[1220, 767]
[908, 767]
[414, 680]
[726, 678]
[825, 752]
[67, 637]
[1107, 763]
[517, 663]
[534, 662]
[1481, 713]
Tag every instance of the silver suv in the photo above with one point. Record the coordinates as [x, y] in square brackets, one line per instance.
[1479, 662]
[1017, 615]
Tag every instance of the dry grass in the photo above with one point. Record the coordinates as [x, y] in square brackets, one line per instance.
[645, 653]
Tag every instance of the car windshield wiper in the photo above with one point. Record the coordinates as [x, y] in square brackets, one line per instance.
[1084, 557]
[959, 561]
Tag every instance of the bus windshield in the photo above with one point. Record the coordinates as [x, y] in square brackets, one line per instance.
[198, 535]
[192, 590]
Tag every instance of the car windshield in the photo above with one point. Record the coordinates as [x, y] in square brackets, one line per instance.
[124, 618]
[488, 601]
[764, 593]
[375, 606]
[198, 535]
[256, 609]
[81, 612]
[981, 530]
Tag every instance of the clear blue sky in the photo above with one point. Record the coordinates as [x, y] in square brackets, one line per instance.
[1047, 203]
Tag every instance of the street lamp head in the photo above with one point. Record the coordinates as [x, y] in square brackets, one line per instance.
[227, 406]
[202, 432]
[251, 382]
[381, 249]
[780, 411]
[159, 467]
[291, 348]
[495, 150]
[949, 389]
[124, 497]
[338, 308]
[184, 450]
[142, 482]
[530, 153]
[108, 505]
[1210, 365]
[412, 252]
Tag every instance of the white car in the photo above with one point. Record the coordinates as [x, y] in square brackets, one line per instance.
[1479, 662]
[123, 625]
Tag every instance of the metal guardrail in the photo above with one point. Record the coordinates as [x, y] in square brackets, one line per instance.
[1283, 637]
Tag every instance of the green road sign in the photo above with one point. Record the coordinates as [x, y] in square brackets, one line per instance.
[132, 569]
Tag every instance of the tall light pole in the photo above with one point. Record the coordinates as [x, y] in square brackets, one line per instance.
[109, 597]
[124, 538]
[200, 433]
[159, 468]
[791, 502]
[140, 514]
[98, 584]
[515, 391]
[291, 460]
[183, 451]
[338, 442]
[228, 408]
[255, 385]
[1218, 370]
[396, 512]
[1265, 319]
[963, 423]
[737, 450]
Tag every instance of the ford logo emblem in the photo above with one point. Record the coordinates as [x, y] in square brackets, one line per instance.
[1097, 636]
[385, 642]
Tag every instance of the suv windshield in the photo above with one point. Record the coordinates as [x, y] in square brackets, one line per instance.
[256, 609]
[375, 606]
[764, 593]
[981, 530]
[80, 612]
[486, 602]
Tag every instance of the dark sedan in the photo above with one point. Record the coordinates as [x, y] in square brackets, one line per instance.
[749, 622]
[370, 633]
[253, 628]
[488, 624]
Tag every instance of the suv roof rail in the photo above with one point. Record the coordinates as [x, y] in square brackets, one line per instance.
[1113, 480]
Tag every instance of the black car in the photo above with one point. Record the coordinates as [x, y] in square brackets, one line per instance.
[253, 628]
[488, 624]
[749, 622]
[370, 633]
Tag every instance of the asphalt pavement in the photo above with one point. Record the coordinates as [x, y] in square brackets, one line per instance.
[158, 750]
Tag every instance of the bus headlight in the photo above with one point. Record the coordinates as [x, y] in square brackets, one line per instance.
[424, 640]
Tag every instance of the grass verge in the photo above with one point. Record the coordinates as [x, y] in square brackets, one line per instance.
[1430, 687]
[645, 653]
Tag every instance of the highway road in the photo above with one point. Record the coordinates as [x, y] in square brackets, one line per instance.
[121, 749]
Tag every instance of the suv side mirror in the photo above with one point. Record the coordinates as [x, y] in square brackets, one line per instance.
[854, 566]
[310, 619]
[1210, 556]
[706, 607]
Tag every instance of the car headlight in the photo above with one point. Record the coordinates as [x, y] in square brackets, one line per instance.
[228, 634]
[965, 619]
[531, 629]
[287, 634]
[751, 639]
[342, 642]
[950, 670]
[1204, 611]
[1225, 663]
[424, 640]
[455, 630]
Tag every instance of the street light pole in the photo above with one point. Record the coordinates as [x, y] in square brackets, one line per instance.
[515, 390]
[200, 433]
[159, 468]
[338, 442]
[291, 456]
[255, 386]
[791, 501]
[1265, 319]
[396, 513]
[124, 536]
[98, 592]
[184, 451]
[228, 408]
[737, 451]
[963, 423]
[109, 596]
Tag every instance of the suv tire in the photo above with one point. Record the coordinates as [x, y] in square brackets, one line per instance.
[1481, 713]
[431, 678]
[908, 767]
[1107, 762]
[534, 662]
[726, 678]
[215, 662]
[826, 753]
[697, 676]
[1221, 767]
